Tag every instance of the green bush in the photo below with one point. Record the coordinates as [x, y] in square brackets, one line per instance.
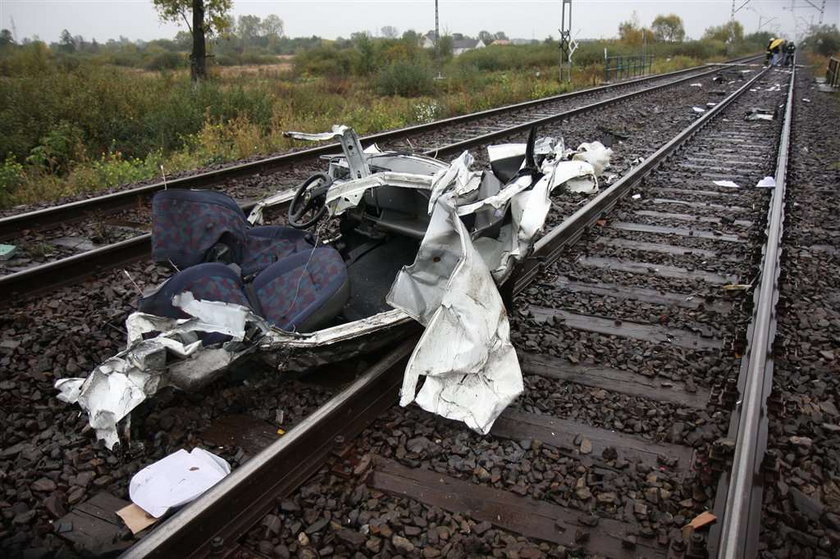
[166, 61]
[823, 40]
[365, 57]
[115, 110]
[702, 50]
[26, 60]
[510, 57]
[243, 58]
[324, 61]
[112, 170]
[58, 149]
[11, 175]
[405, 78]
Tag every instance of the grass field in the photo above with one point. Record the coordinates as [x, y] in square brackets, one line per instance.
[70, 126]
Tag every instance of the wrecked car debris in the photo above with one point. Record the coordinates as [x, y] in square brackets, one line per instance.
[766, 182]
[759, 114]
[7, 251]
[466, 328]
[726, 184]
[419, 240]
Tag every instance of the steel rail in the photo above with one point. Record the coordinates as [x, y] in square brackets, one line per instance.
[550, 245]
[233, 505]
[40, 279]
[74, 211]
[739, 527]
[227, 510]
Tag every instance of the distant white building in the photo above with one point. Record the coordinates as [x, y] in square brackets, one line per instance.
[459, 46]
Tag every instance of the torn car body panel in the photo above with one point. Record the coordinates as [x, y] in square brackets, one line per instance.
[431, 239]
[465, 353]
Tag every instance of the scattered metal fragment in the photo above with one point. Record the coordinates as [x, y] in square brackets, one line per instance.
[759, 114]
[7, 251]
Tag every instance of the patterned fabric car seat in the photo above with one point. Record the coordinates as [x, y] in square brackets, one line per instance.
[210, 281]
[267, 244]
[194, 226]
[301, 292]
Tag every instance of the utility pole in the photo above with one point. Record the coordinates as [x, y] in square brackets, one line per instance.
[567, 45]
[820, 8]
[731, 42]
[437, 41]
[797, 19]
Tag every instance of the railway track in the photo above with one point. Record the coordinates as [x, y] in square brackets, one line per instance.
[643, 323]
[118, 222]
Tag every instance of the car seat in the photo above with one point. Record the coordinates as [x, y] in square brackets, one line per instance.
[301, 292]
[194, 226]
[304, 291]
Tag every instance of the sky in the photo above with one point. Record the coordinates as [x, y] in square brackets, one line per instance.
[527, 19]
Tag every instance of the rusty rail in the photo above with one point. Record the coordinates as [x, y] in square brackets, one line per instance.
[741, 521]
[74, 211]
[43, 278]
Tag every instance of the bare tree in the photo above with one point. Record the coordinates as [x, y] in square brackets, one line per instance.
[248, 28]
[272, 26]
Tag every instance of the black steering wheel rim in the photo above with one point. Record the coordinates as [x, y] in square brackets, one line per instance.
[307, 196]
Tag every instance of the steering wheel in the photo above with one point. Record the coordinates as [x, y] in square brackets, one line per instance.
[310, 197]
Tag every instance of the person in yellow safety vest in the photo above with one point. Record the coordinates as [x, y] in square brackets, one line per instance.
[776, 48]
[767, 52]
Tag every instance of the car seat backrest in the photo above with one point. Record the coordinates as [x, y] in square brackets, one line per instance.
[268, 244]
[194, 226]
[188, 224]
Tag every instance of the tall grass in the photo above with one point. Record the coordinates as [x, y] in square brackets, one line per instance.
[69, 126]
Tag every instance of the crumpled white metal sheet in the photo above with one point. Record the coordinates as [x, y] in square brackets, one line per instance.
[596, 155]
[457, 178]
[348, 195]
[121, 383]
[470, 367]
[465, 354]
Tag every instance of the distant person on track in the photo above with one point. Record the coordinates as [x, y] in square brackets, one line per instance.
[775, 50]
[790, 50]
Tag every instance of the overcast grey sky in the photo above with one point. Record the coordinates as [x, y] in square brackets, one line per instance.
[137, 19]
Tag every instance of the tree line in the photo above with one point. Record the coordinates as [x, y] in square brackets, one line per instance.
[213, 33]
